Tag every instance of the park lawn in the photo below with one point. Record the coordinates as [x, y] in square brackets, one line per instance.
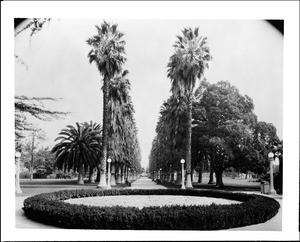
[37, 186]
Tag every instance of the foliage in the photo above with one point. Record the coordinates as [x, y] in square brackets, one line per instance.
[108, 53]
[168, 146]
[49, 208]
[35, 25]
[33, 106]
[185, 66]
[123, 146]
[225, 134]
[78, 146]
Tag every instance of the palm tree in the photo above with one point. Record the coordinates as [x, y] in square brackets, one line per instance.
[120, 108]
[108, 53]
[185, 66]
[78, 147]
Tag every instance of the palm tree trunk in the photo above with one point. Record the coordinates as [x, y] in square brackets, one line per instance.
[80, 174]
[91, 175]
[112, 176]
[188, 145]
[32, 159]
[17, 184]
[102, 166]
[123, 173]
[98, 174]
[119, 173]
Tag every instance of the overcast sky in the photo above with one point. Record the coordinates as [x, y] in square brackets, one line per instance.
[247, 53]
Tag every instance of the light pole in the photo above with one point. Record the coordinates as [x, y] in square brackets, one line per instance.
[160, 176]
[108, 178]
[271, 159]
[17, 163]
[182, 172]
[128, 175]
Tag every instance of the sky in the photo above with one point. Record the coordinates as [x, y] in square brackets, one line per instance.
[247, 53]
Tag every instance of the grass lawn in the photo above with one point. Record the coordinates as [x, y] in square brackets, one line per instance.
[37, 186]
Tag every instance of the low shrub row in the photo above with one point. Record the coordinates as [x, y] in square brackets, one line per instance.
[50, 209]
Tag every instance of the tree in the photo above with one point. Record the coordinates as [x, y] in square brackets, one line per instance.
[108, 53]
[30, 150]
[45, 160]
[185, 66]
[120, 109]
[79, 147]
[35, 107]
[226, 121]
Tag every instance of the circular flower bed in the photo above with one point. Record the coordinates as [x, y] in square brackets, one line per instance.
[50, 208]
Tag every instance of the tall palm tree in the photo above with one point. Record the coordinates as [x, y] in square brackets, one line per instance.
[185, 66]
[120, 108]
[108, 53]
[78, 147]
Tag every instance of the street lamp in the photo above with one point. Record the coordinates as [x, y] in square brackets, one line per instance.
[271, 159]
[128, 174]
[182, 171]
[160, 176]
[17, 163]
[108, 178]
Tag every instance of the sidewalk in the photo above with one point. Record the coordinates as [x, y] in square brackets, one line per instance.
[145, 183]
[274, 224]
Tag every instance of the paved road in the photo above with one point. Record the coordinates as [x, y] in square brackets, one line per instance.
[146, 183]
[23, 222]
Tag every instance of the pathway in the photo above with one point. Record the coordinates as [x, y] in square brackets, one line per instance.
[146, 183]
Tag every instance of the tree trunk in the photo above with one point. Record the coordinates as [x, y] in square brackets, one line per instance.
[188, 144]
[200, 176]
[102, 166]
[112, 176]
[123, 173]
[211, 173]
[280, 173]
[98, 174]
[17, 184]
[119, 172]
[32, 159]
[91, 175]
[179, 178]
[31, 172]
[219, 179]
[80, 174]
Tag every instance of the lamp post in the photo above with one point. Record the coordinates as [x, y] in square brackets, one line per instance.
[271, 159]
[17, 163]
[182, 161]
[108, 178]
[128, 175]
[160, 176]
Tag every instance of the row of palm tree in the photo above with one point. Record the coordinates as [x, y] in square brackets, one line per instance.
[185, 67]
[117, 139]
[226, 132]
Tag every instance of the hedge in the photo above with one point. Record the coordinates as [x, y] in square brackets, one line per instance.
[49, 208]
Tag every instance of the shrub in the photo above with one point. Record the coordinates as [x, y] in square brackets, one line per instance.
[63, 175]
[24, 175]
[49, 208]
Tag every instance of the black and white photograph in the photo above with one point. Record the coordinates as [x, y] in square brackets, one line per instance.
[150, 121]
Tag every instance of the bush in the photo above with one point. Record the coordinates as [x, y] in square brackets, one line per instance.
[39, 175]
[49, 208]
[24, 175]
[63, 175]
